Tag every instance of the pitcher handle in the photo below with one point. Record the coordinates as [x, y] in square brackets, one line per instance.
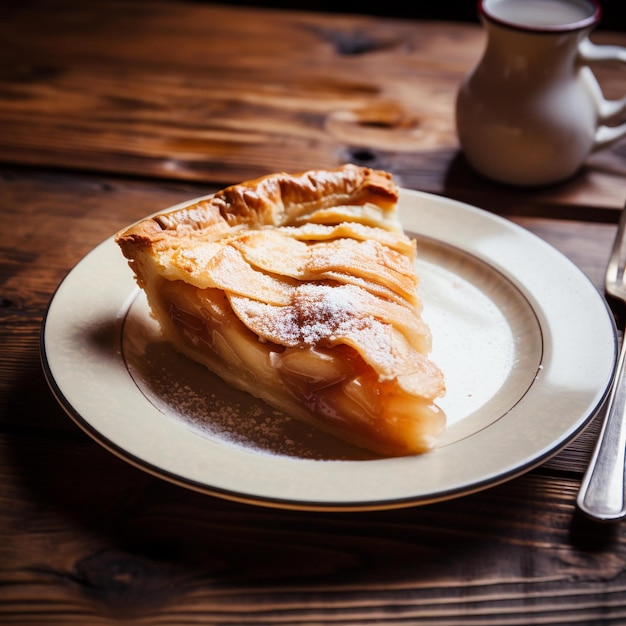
[607, 109]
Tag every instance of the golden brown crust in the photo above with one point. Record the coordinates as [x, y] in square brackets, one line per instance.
[280, 199]
[276, 199]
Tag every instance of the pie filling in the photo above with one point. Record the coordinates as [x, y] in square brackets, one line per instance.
[308, 305]
[332, 389]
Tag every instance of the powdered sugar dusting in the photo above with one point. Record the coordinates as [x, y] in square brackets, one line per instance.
[317, 313]
[323, 315]
[216, 416]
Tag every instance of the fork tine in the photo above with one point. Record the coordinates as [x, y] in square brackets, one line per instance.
[615, 268]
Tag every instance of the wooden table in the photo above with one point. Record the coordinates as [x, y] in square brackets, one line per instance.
[113, 110]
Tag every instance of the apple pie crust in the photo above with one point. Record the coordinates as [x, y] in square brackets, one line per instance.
[301, 290]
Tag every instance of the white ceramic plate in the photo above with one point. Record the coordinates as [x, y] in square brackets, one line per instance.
[525, 340]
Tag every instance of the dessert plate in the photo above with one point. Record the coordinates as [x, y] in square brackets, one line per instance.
[526, 342]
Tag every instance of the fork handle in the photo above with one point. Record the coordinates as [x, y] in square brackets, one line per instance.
[602, 493]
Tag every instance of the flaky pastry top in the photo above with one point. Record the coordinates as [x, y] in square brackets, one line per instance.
[317, 259]
[275, 200]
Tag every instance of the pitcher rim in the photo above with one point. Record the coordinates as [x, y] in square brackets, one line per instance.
[581, 24]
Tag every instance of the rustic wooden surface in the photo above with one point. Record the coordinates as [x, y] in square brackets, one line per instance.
[196, 92]
[110, 111]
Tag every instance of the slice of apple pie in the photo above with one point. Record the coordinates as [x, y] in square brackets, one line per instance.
[301, 290]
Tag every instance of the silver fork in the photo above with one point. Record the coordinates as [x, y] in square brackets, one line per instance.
[602, 493]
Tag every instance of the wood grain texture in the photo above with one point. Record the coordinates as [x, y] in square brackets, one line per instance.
[112, 110]
[55, 219]
[194, 91]
[94, 541]
[87, 539]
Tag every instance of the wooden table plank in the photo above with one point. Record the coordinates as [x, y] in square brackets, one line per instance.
[214, 94]
[93, 540]
[55, 220]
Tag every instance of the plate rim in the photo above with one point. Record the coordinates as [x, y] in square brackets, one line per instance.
[320, 504]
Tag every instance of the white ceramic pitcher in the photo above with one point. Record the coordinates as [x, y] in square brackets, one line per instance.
[531, 111]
